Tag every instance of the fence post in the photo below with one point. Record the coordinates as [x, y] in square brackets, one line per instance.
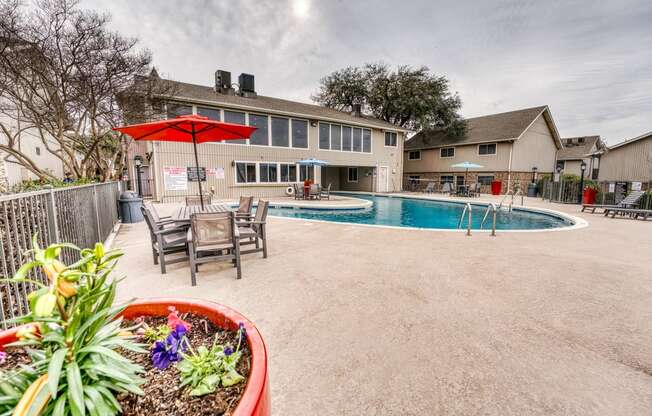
[53, 223]
[97, 213]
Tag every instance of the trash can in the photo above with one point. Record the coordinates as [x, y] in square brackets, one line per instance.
[589, 196]
[532, 189]
[496, 187]
[130, 204]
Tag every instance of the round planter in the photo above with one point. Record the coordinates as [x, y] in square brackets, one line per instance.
[256, 398]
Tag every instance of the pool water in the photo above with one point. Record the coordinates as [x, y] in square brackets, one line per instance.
[418, 213]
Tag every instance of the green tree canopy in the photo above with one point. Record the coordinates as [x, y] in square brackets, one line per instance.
[409, 97]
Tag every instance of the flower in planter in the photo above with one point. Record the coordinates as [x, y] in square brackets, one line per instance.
[166, 352]
[3, 357]
[174, 320]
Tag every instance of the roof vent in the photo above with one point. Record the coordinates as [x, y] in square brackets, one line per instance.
[223, 82]
[357, 110]
[247, 86]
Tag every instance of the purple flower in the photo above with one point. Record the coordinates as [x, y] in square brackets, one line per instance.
[242, 329]
[3, 357]
[228, 350]
[165, 353]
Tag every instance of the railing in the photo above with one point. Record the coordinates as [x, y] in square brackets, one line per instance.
[469, 209]
[491, 208]
[81, 215]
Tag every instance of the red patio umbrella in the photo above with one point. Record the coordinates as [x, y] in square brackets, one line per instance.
[188, 129]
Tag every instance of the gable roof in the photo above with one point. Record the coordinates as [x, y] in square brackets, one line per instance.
[201, 94]
[486, 129]
[629, 141]
[576, 148]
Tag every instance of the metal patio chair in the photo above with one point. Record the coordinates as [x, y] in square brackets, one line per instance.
[213, 237]
[254, 232]
[325, 193]
[167, 238]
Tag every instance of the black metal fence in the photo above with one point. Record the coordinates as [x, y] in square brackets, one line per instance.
[81, 215]
[607, 193]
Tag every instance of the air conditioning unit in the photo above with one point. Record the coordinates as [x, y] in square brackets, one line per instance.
[247, 85]
[223, 82]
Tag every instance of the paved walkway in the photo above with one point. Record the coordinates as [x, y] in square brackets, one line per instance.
[362, 320]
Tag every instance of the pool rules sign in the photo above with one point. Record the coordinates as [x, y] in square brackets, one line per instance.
[175, 178]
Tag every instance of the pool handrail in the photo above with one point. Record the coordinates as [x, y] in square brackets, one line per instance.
[468, 208]
[493, 208]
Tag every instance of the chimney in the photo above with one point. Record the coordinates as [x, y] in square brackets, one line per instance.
[247, 87]
[223, 82]
[357, 110]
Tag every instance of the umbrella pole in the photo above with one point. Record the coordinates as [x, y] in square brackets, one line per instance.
[194, 146]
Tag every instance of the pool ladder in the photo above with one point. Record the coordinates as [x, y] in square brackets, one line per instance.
[469, 209]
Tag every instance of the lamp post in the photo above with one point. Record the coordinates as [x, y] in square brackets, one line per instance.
[561, 181]
[583, 169]
[534, 174]
[138, 161]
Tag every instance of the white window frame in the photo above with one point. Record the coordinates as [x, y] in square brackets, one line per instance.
[341, 149]
[414, 151]
[289, 120]
[446, 148]
[235, 171]
[385, 139]
[492, 176]
[348, 174]
[447, 176]
[257, 164]
[371, 140]
[488, 154]
[307, 133]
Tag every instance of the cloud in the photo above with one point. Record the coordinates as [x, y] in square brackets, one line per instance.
[589, 61]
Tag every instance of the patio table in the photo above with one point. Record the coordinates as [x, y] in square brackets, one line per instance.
[183, 214]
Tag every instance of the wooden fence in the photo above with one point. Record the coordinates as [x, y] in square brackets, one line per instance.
[81, 215]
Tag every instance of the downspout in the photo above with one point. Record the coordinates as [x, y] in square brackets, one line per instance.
[509, 168]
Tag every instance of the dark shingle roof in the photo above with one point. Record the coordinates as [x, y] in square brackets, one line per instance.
[576, 148]
[183, 90]
[492, 128]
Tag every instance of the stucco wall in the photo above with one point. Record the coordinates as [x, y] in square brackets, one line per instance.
[431, 160]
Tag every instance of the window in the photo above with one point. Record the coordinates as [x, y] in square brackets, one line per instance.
[485, 179]
[366, 140]
[268, 172]
[211, 113]
[280, 132]
[261, 135]
[175, 110]
[235, 117]
[487, 149]
[346, 138]
[446, 179]
[447, 152]
[353, 175]
[336, 137]
[324, 136]
[38, 151]
[288, 173]
[357, 139]
[245, 172]
[306, 172]
[300, 133]
[414, 155]
[390, 139]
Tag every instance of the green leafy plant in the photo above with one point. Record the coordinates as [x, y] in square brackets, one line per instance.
[158, 333]
[73, 336]
[205, 369]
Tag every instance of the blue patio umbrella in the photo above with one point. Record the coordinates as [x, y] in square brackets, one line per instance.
[312, 162]
[467, 166]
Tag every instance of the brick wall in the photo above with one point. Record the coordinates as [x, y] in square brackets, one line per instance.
[523, 178]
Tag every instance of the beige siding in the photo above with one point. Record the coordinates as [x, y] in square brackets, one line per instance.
[432, 162]
[221, 155]
[535, 148]
[630, 163]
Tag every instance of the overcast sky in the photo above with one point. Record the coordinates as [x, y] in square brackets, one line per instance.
[590, 61]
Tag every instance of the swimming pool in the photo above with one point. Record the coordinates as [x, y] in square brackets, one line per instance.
[419, 213]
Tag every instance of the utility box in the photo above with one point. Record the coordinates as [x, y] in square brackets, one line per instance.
[532, 189]
[130, 204]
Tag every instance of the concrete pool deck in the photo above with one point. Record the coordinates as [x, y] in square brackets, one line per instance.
[366, 320]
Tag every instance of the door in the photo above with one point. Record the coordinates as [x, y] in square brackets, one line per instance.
[383, 177]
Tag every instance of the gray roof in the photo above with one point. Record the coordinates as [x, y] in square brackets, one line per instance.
[576, 148]
[643, 136]
[491, 128]
[203, 94]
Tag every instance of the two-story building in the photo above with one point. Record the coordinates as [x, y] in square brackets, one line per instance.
[362, 153]
[511, 147]
[576, 150]
[628, 164]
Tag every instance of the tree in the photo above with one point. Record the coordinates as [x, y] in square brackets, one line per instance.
[408, 97]
[61, 73]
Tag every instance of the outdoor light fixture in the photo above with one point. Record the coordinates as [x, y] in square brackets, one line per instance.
[579, 193]
[583, 166]
[138, 160]
[534, 174]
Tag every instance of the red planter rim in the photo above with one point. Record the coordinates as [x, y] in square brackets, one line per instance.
[256, 399]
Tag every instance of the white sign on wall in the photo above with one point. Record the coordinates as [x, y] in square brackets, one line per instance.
[175, 178]
[217, 173]
[612, 187]
[636, 186]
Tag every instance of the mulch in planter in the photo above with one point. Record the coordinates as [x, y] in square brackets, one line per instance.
[163, 396]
